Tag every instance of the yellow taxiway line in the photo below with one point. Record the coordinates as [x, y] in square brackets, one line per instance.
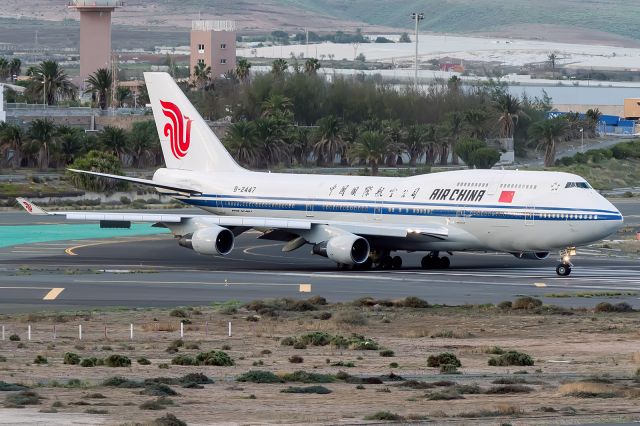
[53, 294]
[71, 250]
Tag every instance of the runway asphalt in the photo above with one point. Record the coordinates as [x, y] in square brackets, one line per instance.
[150, 271]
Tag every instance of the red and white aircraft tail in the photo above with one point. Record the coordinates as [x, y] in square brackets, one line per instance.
[188, 143]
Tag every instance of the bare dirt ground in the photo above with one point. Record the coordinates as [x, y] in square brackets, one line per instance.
[585, 365]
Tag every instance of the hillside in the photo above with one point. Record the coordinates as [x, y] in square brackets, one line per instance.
[597, 22]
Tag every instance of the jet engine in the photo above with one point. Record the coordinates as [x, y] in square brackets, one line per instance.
[348, 249]
[532, 255]
[211, 241]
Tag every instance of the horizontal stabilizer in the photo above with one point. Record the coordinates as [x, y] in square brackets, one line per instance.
[139, 181]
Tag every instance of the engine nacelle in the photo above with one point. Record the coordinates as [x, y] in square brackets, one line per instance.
[347, 249]
[211, 241]
[532, 255]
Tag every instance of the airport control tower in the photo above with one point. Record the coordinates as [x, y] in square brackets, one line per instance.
[95, 33]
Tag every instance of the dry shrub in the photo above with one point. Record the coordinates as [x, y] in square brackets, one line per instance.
[497, 411]
[350, 318]
[635, 357]
[415, 333]
[159, 326]
[589, 390]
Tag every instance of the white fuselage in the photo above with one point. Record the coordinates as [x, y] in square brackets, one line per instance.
[508, 211]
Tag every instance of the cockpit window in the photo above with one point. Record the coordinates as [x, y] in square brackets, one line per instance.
[583, 185]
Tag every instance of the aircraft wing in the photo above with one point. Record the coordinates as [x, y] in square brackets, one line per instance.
[370, 230]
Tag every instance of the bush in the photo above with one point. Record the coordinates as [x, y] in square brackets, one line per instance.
[22, 398]
[321, 390]
[296, 359]
[443, 358]
[152, 405]
[317, 300]
[125, 200]
[484, 158]
[465, 147]
[168, 420]
[359, 342]
[71, 359]
[385, 415]
[527, 303]
[304, 377]
[259, 376]
[505, 306]
[91, 362]
[116, 360]
[511, 358]
[317, 338]
[413, 302]
[10, 387]
[143, 361]
[218, 358]
[506, 389]
[495, 350]
[157, 389]
[183, 360]
[387, 353]
[178, 313]
[299, 345]
[14, 338]
[198, 378]
[350, 318]
[325, 316]
[608, 307]
[449, 369]
[288, 341]
[444, 395]
[122, 383]
[40, 360]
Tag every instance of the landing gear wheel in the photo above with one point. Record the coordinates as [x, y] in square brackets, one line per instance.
[563, 270]
[364, 266]
[396, 262]
[386, 262]
[444, 263]
[427, 262]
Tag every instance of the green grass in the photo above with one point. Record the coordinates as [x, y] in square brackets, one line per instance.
[607, 174]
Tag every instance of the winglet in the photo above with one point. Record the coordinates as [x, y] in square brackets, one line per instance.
[31, 208]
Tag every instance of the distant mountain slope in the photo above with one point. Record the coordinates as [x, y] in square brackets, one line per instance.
[588, 20]
[619, 17]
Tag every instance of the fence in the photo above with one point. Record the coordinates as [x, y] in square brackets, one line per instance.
[80, 332]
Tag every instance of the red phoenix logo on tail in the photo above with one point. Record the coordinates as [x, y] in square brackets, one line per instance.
[178, 129]
[27, 206]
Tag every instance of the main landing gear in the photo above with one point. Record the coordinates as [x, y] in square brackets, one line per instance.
[564, 267]
[432, 261]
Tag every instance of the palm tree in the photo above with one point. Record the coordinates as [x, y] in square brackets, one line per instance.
[50, 82]
[14, 67]
[311, 66]
[123, 94]
[11, 136]
[115, 141]
[552, 60]
[242, 142]
[243, 69]
[100, 83]
[371, 148]
[455, 124]
[143, 143]
[547, 133]
[270, 132]
[69, 143]
[415, 143]
[4, 68]
[477, 122]
[201, 76]
[330, 140]
[510, 110]
[279, 67]
[393, 135]
[276, 104]
[42, 133]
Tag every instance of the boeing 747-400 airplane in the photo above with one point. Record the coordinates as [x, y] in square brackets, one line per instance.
[356, 221]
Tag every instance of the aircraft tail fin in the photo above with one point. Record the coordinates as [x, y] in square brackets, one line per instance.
[187, 141]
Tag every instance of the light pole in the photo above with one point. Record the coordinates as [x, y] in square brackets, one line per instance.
[416, 17]
[44, 90]
[582, 139]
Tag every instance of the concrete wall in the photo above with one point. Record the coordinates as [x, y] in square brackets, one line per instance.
[3, 115]
[214, 52]
[604, 109]
[95, 41]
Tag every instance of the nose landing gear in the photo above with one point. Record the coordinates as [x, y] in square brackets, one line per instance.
[564, 268]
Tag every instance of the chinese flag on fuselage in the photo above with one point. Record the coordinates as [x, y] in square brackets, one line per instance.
[506, 196]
